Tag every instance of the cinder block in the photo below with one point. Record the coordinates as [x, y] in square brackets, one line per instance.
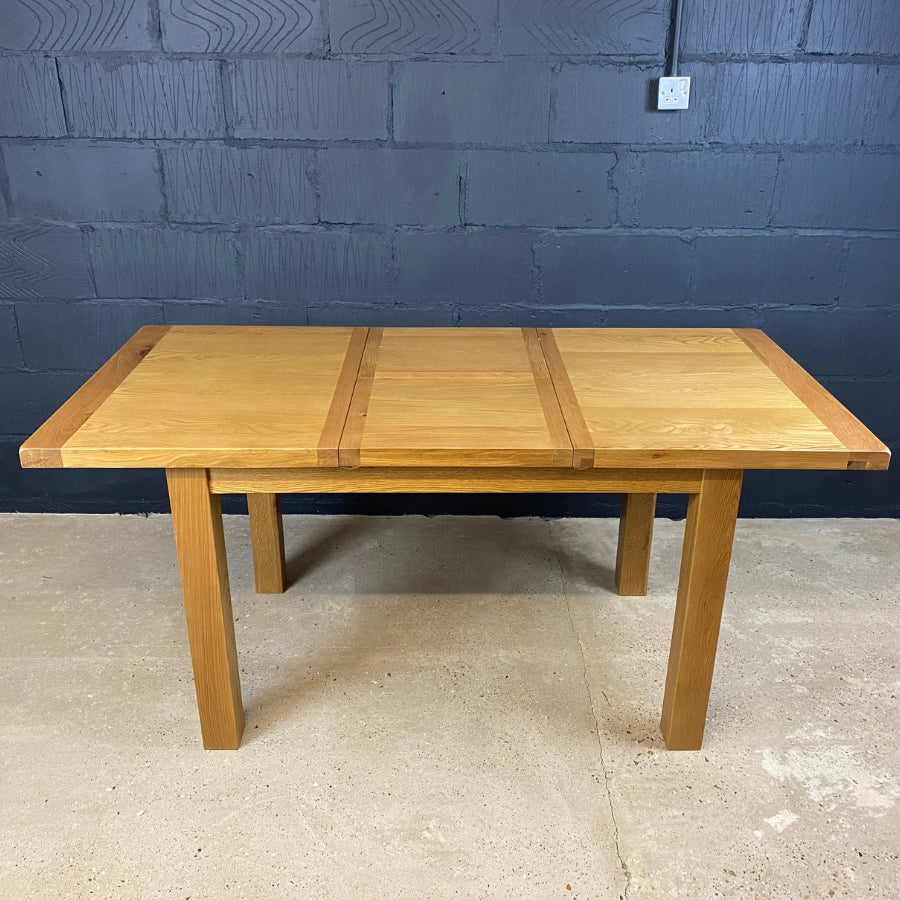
[867, 26]
[241, 26]
[884, 122]
[30, 103]
[830, 493]
[43, 261]
[536, 26]
[679, 317]
[396, 187]
[839, 190]
[310, 99]
[770, 268]
[771, 27]
[701, 188]
[470, 267]
[10, 355]
[225, 184]
[872, 276]
[617, 104]
[579, 316]
[794, 103]
[266, 314]
[859, 342]
[299, 267]
[80, 336]
[551, 189]
[192, 313]
[160, 98]
[485, 103]
[611, 269]
[165, 263]
[381, 26]
[28, 399]
[67, 26]
[381, 315]
[875, 403]
[230, 314]
[76, 182]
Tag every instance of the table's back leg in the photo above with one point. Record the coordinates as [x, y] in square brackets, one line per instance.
[199, 539]
[267, 538]
[708, 537]
[635, 538]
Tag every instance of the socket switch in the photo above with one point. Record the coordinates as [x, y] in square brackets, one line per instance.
[674, 92]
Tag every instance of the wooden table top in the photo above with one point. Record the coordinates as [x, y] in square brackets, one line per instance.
[269, 397]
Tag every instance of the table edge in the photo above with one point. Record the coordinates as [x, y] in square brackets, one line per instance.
[43, 450]
[865, 450]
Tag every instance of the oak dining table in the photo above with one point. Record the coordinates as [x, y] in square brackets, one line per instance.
[265, 411]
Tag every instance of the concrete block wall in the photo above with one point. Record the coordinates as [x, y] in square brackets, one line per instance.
[455, 162]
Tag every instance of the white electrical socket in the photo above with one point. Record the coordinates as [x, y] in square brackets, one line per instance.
[674, 92]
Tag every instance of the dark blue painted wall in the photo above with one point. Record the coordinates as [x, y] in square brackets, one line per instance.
[450, 162]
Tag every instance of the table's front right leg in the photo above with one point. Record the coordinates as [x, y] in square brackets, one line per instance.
[708, 536]
[200, 541]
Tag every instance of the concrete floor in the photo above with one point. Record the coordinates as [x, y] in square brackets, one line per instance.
[448, 707]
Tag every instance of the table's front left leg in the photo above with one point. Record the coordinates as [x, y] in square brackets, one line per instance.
[267, 539]
[200, 541]
[708, 537]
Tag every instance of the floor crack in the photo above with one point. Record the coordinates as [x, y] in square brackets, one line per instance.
[587, 686]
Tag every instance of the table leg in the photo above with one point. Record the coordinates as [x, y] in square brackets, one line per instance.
[267, 538]
[199, 539]
[708, 537]
[635, 537]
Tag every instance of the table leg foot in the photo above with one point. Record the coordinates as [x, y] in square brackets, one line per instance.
[635, 537]
[708, 537]
[200, 542]
[267, 539]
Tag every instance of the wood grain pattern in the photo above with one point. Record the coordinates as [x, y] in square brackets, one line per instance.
[421, 480]
[635, 539]
[43, 448]
[866, 451]
[200, 542]
[245, 397]
[219, 395]
[267, 540]
[445, 397]
[351, 439]
[330, 439]
[699, 397]
[580, 437]
[708, 538]
[556, 423]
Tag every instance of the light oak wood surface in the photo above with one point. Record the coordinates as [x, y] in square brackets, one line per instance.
[708, 537]
[267, 541]
[868, 451]
[454, 480]
[219, 396]
[474, 396]
[635, 538]
[336, 420]
[665, 396]
[43, 450]
[200, 542]
[257, 397]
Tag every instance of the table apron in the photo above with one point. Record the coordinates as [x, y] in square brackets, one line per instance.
[461, 480]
